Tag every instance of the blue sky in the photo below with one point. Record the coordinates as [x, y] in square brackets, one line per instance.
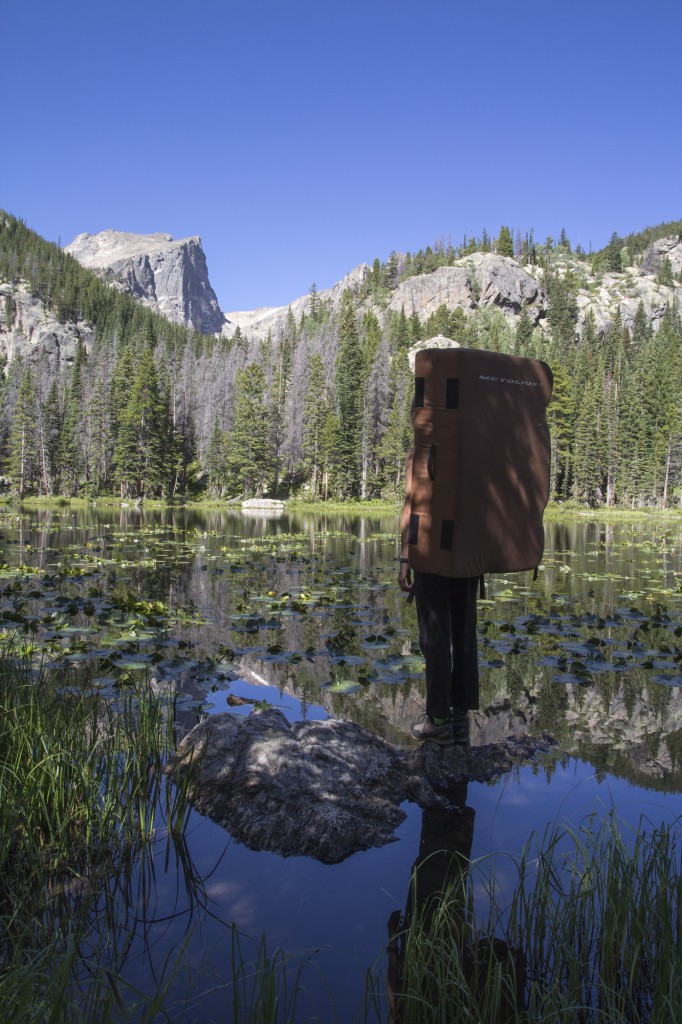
[299, 139]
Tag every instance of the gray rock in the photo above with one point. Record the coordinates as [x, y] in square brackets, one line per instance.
[482, 279]
[35, 333]
[170, 276]
[662, 248]
[263, 504]
[439, 341]
[624, 292]
[323, 789]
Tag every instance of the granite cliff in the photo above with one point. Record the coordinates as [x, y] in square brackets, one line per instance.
[168, 275]
[35, 332]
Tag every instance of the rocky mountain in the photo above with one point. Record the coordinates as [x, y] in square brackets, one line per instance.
[257, 323]
[168, 275]
[486, 280]
[480, 280]
[605, 294]
[171, 277]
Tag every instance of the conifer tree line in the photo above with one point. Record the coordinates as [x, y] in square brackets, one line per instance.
[322, 411]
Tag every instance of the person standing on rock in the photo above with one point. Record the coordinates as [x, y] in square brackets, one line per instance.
[446, 613]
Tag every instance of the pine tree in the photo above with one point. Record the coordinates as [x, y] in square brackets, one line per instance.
[329, 447]
[560, 418]
[51, 432]
[249, 462]
[279, 393]
[315, 414]
[23, 452]
[398, 436]
[614, 249]
[374, 420]
[215, 462]
[100, 448]
[439, 323]
[661, 372]
[371, 337]
[350, 386]
[314, 303]
[505, 242]
[524, 334]
[399, 331]
[588, 443]
[71, 442]
[562, 314]
[144, 451]
[416, 328]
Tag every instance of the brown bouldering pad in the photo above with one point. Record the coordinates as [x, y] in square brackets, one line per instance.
[480, 474]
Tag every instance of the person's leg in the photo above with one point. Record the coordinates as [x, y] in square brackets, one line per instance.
[433, 614]
[464, 689]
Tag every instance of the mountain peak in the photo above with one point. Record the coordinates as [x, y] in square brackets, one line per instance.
[169, 275]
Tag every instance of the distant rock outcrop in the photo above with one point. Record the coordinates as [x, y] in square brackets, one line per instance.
[482, 279]
[171, 277]
[35, 333]
[661, 249]
[609, 294]
[168, 275]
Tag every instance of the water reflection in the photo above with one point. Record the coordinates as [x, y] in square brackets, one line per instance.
[308, 602]
[590, 651]
[436, 922]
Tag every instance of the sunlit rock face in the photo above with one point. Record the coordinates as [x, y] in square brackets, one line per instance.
[480, 280]
[324, 789]
[35, 334]
[168, 275]
[658, 251]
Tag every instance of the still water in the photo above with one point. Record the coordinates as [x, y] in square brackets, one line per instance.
[303, 611]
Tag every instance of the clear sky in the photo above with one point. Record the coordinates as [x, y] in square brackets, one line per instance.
[301, 138]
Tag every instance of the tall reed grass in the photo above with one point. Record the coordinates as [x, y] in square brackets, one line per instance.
[591, 934]
[81, 792]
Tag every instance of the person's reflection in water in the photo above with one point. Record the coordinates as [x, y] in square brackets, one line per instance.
[438, 888]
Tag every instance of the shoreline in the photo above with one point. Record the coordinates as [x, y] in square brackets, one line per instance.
[553, 511]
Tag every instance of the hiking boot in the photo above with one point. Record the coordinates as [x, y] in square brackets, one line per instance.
[460, 726]
[426, 729]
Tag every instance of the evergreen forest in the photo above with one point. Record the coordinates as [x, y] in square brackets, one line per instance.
[146, 408]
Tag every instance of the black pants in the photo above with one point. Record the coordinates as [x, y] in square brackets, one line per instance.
[446, 611]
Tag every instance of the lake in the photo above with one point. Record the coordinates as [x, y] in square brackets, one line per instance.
[222, 609]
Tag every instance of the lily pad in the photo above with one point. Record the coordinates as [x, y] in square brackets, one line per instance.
[344, 686]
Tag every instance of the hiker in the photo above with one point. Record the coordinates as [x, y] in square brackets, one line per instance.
[446, 613]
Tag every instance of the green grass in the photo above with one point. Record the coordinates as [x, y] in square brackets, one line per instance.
[80, 780]
[592, 934]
